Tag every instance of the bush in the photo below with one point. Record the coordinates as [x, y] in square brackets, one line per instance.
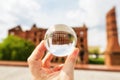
[15, 48]
[96, 60]
[0, 56]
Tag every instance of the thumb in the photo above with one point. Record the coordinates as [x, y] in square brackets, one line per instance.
[70, 61]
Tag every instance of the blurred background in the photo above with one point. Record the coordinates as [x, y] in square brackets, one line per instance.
[23, 25]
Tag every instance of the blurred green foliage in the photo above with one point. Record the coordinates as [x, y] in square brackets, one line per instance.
[95, 51]
[96, 61]
[15, 48]
[94, 56]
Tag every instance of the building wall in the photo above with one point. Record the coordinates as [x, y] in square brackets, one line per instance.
[37, 34]
[112, 53]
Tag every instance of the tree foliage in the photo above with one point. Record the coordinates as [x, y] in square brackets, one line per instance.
[95, 51]
[15, 48]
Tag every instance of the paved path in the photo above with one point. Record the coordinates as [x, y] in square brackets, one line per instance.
[22, 73]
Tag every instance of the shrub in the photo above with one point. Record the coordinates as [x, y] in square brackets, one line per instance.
[96, 60]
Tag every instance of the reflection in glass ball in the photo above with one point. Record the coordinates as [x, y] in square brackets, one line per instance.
[60, 40]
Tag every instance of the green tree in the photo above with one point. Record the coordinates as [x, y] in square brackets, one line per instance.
[15, 48]
[95, 51]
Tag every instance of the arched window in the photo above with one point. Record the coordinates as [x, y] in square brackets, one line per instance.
[82, 46]
[40, 39]
[34, 40]
[35, 33]
[81, 39]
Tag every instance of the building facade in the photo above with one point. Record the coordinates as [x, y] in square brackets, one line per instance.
[36, 34]
[112, 53]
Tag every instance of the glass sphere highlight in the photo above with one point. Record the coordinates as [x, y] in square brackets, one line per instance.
[60, 40]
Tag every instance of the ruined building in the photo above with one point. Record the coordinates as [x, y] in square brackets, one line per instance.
[36, 34]
[112, 53]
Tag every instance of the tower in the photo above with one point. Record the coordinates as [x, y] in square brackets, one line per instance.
[82, 44]
[112, 53]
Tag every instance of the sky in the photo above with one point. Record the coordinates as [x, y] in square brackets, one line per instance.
[45, 13]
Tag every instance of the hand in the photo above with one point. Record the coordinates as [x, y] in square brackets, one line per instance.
[41, 70]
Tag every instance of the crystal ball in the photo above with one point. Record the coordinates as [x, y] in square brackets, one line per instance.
[60, 40]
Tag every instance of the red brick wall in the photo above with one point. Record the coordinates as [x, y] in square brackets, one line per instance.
[112, 53]
[37, 34]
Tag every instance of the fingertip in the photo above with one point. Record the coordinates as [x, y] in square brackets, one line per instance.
[39, 51]
[76, 51]
[73, 54]
[42, 45]
[72, 57]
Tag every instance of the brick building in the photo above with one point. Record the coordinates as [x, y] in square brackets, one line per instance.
[36, 34]
[62, 37]
[112, 53]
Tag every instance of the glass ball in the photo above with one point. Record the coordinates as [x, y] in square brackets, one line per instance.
[60, 40]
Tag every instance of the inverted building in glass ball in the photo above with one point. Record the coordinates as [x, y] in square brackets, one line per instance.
[60, 40]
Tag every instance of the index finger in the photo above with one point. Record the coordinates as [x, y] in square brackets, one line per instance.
[39, 51]
[70, 61]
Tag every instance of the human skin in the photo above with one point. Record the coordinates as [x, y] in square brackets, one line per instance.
[40, 67]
